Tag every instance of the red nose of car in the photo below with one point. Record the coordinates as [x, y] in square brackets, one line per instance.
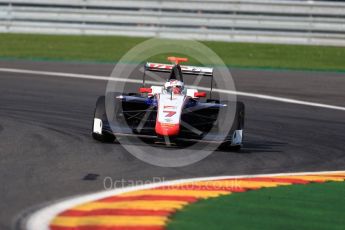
[166, 129]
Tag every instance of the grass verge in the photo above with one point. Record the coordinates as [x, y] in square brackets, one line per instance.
[111, 49]
[307, 207]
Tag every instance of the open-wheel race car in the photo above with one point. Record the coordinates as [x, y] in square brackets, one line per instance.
[169, 111]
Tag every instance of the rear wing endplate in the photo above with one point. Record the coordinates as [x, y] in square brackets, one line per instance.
[194, 70]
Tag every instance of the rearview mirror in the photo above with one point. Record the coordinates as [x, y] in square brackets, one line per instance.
[145, 90]
[200, 94]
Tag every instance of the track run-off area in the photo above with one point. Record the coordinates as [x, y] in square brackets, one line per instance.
[149, 207]
[294, 123]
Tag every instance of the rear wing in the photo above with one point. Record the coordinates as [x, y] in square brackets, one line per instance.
[194, 70]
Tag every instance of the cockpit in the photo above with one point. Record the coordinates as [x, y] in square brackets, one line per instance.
[174, 86]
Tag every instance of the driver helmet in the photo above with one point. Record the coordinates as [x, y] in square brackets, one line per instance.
[174, 86]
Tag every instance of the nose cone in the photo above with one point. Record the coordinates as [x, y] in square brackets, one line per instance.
[166, 129]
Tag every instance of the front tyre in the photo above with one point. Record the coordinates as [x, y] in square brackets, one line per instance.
[236, 133]
[99, 119]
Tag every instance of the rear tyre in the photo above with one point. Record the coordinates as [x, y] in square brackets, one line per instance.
[100, 118]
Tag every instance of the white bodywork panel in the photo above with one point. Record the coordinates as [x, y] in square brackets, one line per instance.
[97, 125]
[190, 92]
[170, 108]
[156, 89]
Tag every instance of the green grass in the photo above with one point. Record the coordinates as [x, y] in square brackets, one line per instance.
[307, 207]
[111, 49]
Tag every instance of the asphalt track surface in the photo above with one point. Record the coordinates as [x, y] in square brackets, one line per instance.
[47, 150]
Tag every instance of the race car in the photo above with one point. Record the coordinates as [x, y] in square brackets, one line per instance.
[171, 111]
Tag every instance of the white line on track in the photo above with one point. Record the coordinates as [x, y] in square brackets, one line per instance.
[239, 93]
[41, 219]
